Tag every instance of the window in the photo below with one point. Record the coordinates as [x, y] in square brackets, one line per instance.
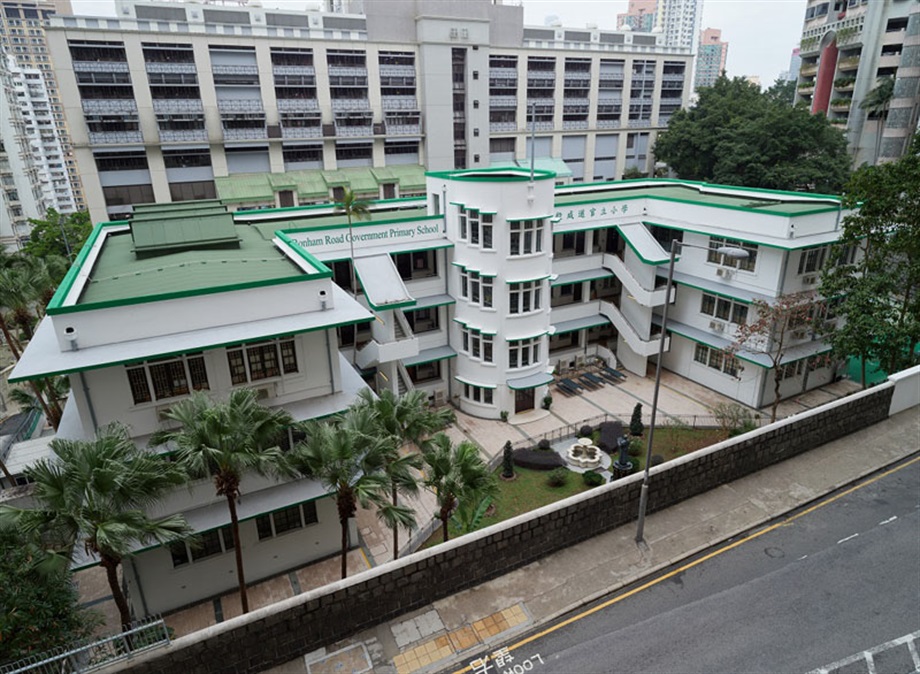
[425, 372]
[812, 260]
[526, 237]
[523, 352]
[417, 264]
[203, 545]
[476, 288]
[477, 394]
[717, 360]
[287, 519]
[747, 264]
[424, 320]
[525, 297]
[477, 345]
[261, 360]
[724, 309]
[167, 378]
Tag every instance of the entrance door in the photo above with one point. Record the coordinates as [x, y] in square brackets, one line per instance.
[523, 400]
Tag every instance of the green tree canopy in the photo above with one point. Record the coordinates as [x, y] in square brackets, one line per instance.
[737, 135]
[59, 234]
[879, 288]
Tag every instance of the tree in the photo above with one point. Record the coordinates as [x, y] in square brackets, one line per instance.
[456, 475]
[59, 234]
[225, 440]
[636, 427]
[403, 419]
[876, 105]
[47, 396]
[782, 92]
[771, 332]
[349, 462]
[40, 607]
[94, 493]
[874, 274]
[507, 460]
[354, 209]
[737, 135]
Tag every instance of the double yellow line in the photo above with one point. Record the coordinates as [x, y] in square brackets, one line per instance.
[696, 562]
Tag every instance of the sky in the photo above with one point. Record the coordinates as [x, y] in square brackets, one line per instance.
[761, 33]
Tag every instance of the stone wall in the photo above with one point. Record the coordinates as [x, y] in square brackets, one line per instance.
[282, 632]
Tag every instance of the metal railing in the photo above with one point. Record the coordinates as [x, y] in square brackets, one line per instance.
[143, 636]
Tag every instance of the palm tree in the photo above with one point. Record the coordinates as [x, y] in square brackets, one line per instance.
[456, 474]
[876, 103]
[225, 440]
[356, 209]
[20, 288]
[46, 397]
[97, 491]
[402, 419]
[349, 462]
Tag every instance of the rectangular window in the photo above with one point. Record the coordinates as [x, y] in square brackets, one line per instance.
[476, 345]
[477, 394]
[261, 360]
[724, 309]
[747, 264]
[425, 372]
[476, 288]
[812, 260]
[486, 226]
[526, 237]
[523, 352]
[167, 378]
[423, 320]
[525, 297]
[717, 360]
[474, 227]
[463, 226]
[203, 545]
[288, 519]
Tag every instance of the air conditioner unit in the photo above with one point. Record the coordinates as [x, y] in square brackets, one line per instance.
[264, 392]
[717, 326]
[162, 411]
[579, 361]
[798, 334]
[440, 398]
[724, 273]
[809, 280]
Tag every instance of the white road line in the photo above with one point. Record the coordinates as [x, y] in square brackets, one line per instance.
[870, 663]
[848, 538]
[867, 656]
[801, 558]
[889, 520]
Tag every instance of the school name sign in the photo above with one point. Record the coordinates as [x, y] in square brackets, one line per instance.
[318, 242]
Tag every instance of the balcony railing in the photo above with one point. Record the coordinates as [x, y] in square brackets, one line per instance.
[503, 73]
[301, 131]
[503, 102]
[608, 124]
[352, 131]
[399, 103]
[339, 104]
[574, 124]
[246, 134]
[500, 127]
[157, 67]
[115, 137]
[184, 135]
[164, 105]
[298, 105]
[109, 105]
[294, 70]
[100, 66]
[397, 71]
[347, 71]
[240, 105]
[235, 70]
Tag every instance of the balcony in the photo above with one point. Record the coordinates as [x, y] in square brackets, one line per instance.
[343, 104]
[502, 127]
[841, 104]
[301, 131]
[298, 105]
[183, 135]
[109, 105]
[294, 70]
[115, 137]
[240, 105]
[851, 63]
[169, 105]
[184, 68]
[395, 103]
[811, 68]
[503, 102]
[397, 71]
[257, 133]
[100, 66]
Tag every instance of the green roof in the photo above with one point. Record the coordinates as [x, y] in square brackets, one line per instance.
[773, 203]
[336, 220]
[119, 276]
[557, 166]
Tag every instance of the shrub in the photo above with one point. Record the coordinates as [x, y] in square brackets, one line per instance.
[558, 477]
[585, 431]
[507, 461]
[593, 479]
[608, 433]
[635, 424]
[657, 459]
[537, 460]
[543, 445]
[504, 415]
[547, 401]
[635, 447]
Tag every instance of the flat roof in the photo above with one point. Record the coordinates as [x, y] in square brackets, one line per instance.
[302, 222]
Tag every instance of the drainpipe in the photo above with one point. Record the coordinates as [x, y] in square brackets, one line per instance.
[329, 358]
[70, 334]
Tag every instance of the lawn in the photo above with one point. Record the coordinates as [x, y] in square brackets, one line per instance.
[529, 490]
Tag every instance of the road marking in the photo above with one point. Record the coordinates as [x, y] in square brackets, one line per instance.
[801, 558]
[615, 600]
[848, 538]
[869, 656]
[888, 521]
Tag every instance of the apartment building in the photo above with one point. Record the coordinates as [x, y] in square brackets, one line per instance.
[679, 22]
[640, 15]
[22, 34]
[711, 58]
[476, 293]
[167, 99]
[848, 47]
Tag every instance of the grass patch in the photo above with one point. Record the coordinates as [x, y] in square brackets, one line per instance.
[674, 441]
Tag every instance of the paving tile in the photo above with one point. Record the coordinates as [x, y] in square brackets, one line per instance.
[463, 638]
[354, 660]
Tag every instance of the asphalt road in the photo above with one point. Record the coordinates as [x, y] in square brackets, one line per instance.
[840, 577]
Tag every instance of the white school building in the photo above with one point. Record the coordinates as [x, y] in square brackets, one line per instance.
[476, 293]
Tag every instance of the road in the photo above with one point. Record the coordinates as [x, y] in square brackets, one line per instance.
[836, 579]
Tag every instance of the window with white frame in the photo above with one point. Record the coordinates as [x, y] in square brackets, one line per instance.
[424, 372]
[526, 237]
[812, 260]
[477, 394]
[261, 360]
[717, 359]
[523, 352]
[203, 545]
[477, 345]
[525, 297]
[424, 320]
[170, 377]
[746, 264]
[287, 519]
[476, 227]
[724, 309]
[475, 288]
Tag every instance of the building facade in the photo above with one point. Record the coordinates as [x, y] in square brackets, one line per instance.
[711, 58]
[22, 34]
[679, 21]
[640, 15]
[169, 98]
[476, 293]
[848, 48]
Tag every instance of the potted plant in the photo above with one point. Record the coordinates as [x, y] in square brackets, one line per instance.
[547, 401]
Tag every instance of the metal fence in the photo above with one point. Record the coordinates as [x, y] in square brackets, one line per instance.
[143, 636]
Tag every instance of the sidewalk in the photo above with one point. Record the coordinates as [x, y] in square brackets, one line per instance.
[452, 632]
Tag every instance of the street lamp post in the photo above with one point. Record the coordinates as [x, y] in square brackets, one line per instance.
[728, 251]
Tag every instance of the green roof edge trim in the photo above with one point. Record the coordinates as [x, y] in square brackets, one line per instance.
[322, 270]
[700, 183]
[639, 255]
[477, 175]
[363, 223]
[66, 285]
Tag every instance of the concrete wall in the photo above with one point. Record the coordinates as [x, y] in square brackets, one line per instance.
[280, 633]
[906, 390]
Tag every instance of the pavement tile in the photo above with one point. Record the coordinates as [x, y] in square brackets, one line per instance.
[464, 638]
[353, 659]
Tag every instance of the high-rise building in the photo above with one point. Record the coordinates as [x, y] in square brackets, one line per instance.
[679, 20]
[795, 62]
[20, 191]
[850, 47]
[22, 34]
[640, 15]
[175, 101]
[710, 58]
